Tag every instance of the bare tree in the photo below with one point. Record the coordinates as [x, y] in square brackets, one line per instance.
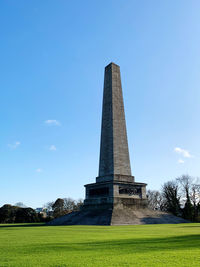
[69, 204]
[155, 199]
[72, 205]
[185, 182]
[79, 204]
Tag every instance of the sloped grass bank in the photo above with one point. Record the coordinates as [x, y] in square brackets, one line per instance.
[61, 246]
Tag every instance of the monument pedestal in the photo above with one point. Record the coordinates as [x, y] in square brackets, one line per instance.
[115, 191]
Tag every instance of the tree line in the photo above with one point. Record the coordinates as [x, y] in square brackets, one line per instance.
[180, 196]
[19, 213]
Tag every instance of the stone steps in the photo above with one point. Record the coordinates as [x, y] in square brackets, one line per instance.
[117, 217]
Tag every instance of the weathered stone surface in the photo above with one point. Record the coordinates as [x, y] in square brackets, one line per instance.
[114, 154]
[109, 216]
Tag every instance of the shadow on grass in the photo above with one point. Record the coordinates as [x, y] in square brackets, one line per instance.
[124, 246]
[190, 226]
[22, 225]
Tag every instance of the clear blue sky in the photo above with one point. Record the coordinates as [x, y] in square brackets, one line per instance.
[52, 59]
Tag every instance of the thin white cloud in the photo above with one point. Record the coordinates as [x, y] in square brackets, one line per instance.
[38, 170]
[14, 145]
[52, 148]
[52, 122]
[180, 161]
[183, 152]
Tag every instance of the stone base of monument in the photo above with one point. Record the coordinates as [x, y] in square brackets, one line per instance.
[116, 202]
[115, 190]
[116, 211]
[116, 216]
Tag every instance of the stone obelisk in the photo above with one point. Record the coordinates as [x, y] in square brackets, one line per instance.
[115, 185]
[114, 154]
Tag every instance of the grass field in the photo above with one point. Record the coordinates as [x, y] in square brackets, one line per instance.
[60, 246]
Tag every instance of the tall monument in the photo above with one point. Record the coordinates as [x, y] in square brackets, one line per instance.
[115, 198]
[115, 186]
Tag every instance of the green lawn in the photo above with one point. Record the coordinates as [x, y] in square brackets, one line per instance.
[140, 245]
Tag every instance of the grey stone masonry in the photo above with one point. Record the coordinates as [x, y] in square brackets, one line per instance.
[115, 185]
[114, 154]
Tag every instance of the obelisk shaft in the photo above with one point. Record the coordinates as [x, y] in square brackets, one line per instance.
[114, 154]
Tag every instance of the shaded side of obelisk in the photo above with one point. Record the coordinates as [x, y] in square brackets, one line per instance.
[114, 153]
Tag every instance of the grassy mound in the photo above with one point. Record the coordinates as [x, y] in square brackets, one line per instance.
[60, 246]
